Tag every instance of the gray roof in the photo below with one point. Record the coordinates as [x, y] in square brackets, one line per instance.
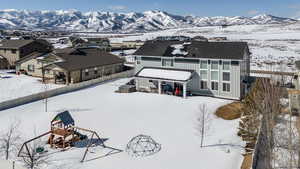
[86, 58]
[65, 117]
[14, 44]
[196, 49]
[297, 64]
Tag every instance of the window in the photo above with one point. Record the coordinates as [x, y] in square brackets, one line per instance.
[14, 51]
[203, 84]
[203, 74]
[203, 64]
[138, 60]
[30, 68]
[226, 87]
[226, 76]
[47, 71]
[86, 72]
[95, 70]
[215, 75]
[167, 62]
[226, 65]
[214, 85]
[214, 65]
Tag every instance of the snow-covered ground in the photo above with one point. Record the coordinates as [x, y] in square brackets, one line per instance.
[273, 47]
[169, 120]
[14, 86]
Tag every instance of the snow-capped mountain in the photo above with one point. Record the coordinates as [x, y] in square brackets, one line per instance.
[73, 20]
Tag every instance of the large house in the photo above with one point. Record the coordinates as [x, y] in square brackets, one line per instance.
[13, 50]
[71, 65]
[219, 69]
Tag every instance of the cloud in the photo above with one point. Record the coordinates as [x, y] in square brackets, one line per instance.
[117, 7]
[252, 12]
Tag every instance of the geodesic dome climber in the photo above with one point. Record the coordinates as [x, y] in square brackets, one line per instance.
[141, 146]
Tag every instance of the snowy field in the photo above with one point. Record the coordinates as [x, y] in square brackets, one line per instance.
[14, 86]
[273, 47]
[169, 120]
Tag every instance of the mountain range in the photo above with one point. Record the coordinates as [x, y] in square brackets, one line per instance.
[72, 20]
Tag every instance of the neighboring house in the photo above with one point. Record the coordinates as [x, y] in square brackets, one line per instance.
[102, 43]
[219, 69]
[71, 65]
[126, 45]
[295, 94]
[200, 38]
[218, 39]
[13, 50]
[133, 44]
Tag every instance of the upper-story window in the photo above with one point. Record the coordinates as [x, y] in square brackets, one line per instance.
[168, 62]
[203, 64]
[226, 65]
[214, 65]
[14, 51]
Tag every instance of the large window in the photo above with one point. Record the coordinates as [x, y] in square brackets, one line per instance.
[214, 75]
[203, 74]
[226, 76]
[226, 87]
[214, 65]
[168, 62]
[203, 64]
[214, 85]
[226, 65]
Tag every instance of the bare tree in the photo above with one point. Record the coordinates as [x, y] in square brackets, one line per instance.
[10, 138]
[203, 122]
[34, 156]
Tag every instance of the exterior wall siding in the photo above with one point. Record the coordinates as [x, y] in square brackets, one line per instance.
[194, 85]
[10, 56]
[37, 69]
[101, 71]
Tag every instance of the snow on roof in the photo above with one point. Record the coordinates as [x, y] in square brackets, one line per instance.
[178, 49]
[179, 75]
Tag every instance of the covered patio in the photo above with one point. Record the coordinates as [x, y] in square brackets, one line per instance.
[164, 81]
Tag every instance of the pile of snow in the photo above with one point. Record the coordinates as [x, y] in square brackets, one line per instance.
[165, 74]
[169, 120]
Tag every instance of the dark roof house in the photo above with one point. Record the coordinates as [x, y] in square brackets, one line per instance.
[195, 49]
[75, 59]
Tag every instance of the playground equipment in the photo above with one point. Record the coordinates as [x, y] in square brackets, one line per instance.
[64, 135]
[141, 146]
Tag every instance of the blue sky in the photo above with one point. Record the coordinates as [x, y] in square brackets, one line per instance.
[286, 8]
